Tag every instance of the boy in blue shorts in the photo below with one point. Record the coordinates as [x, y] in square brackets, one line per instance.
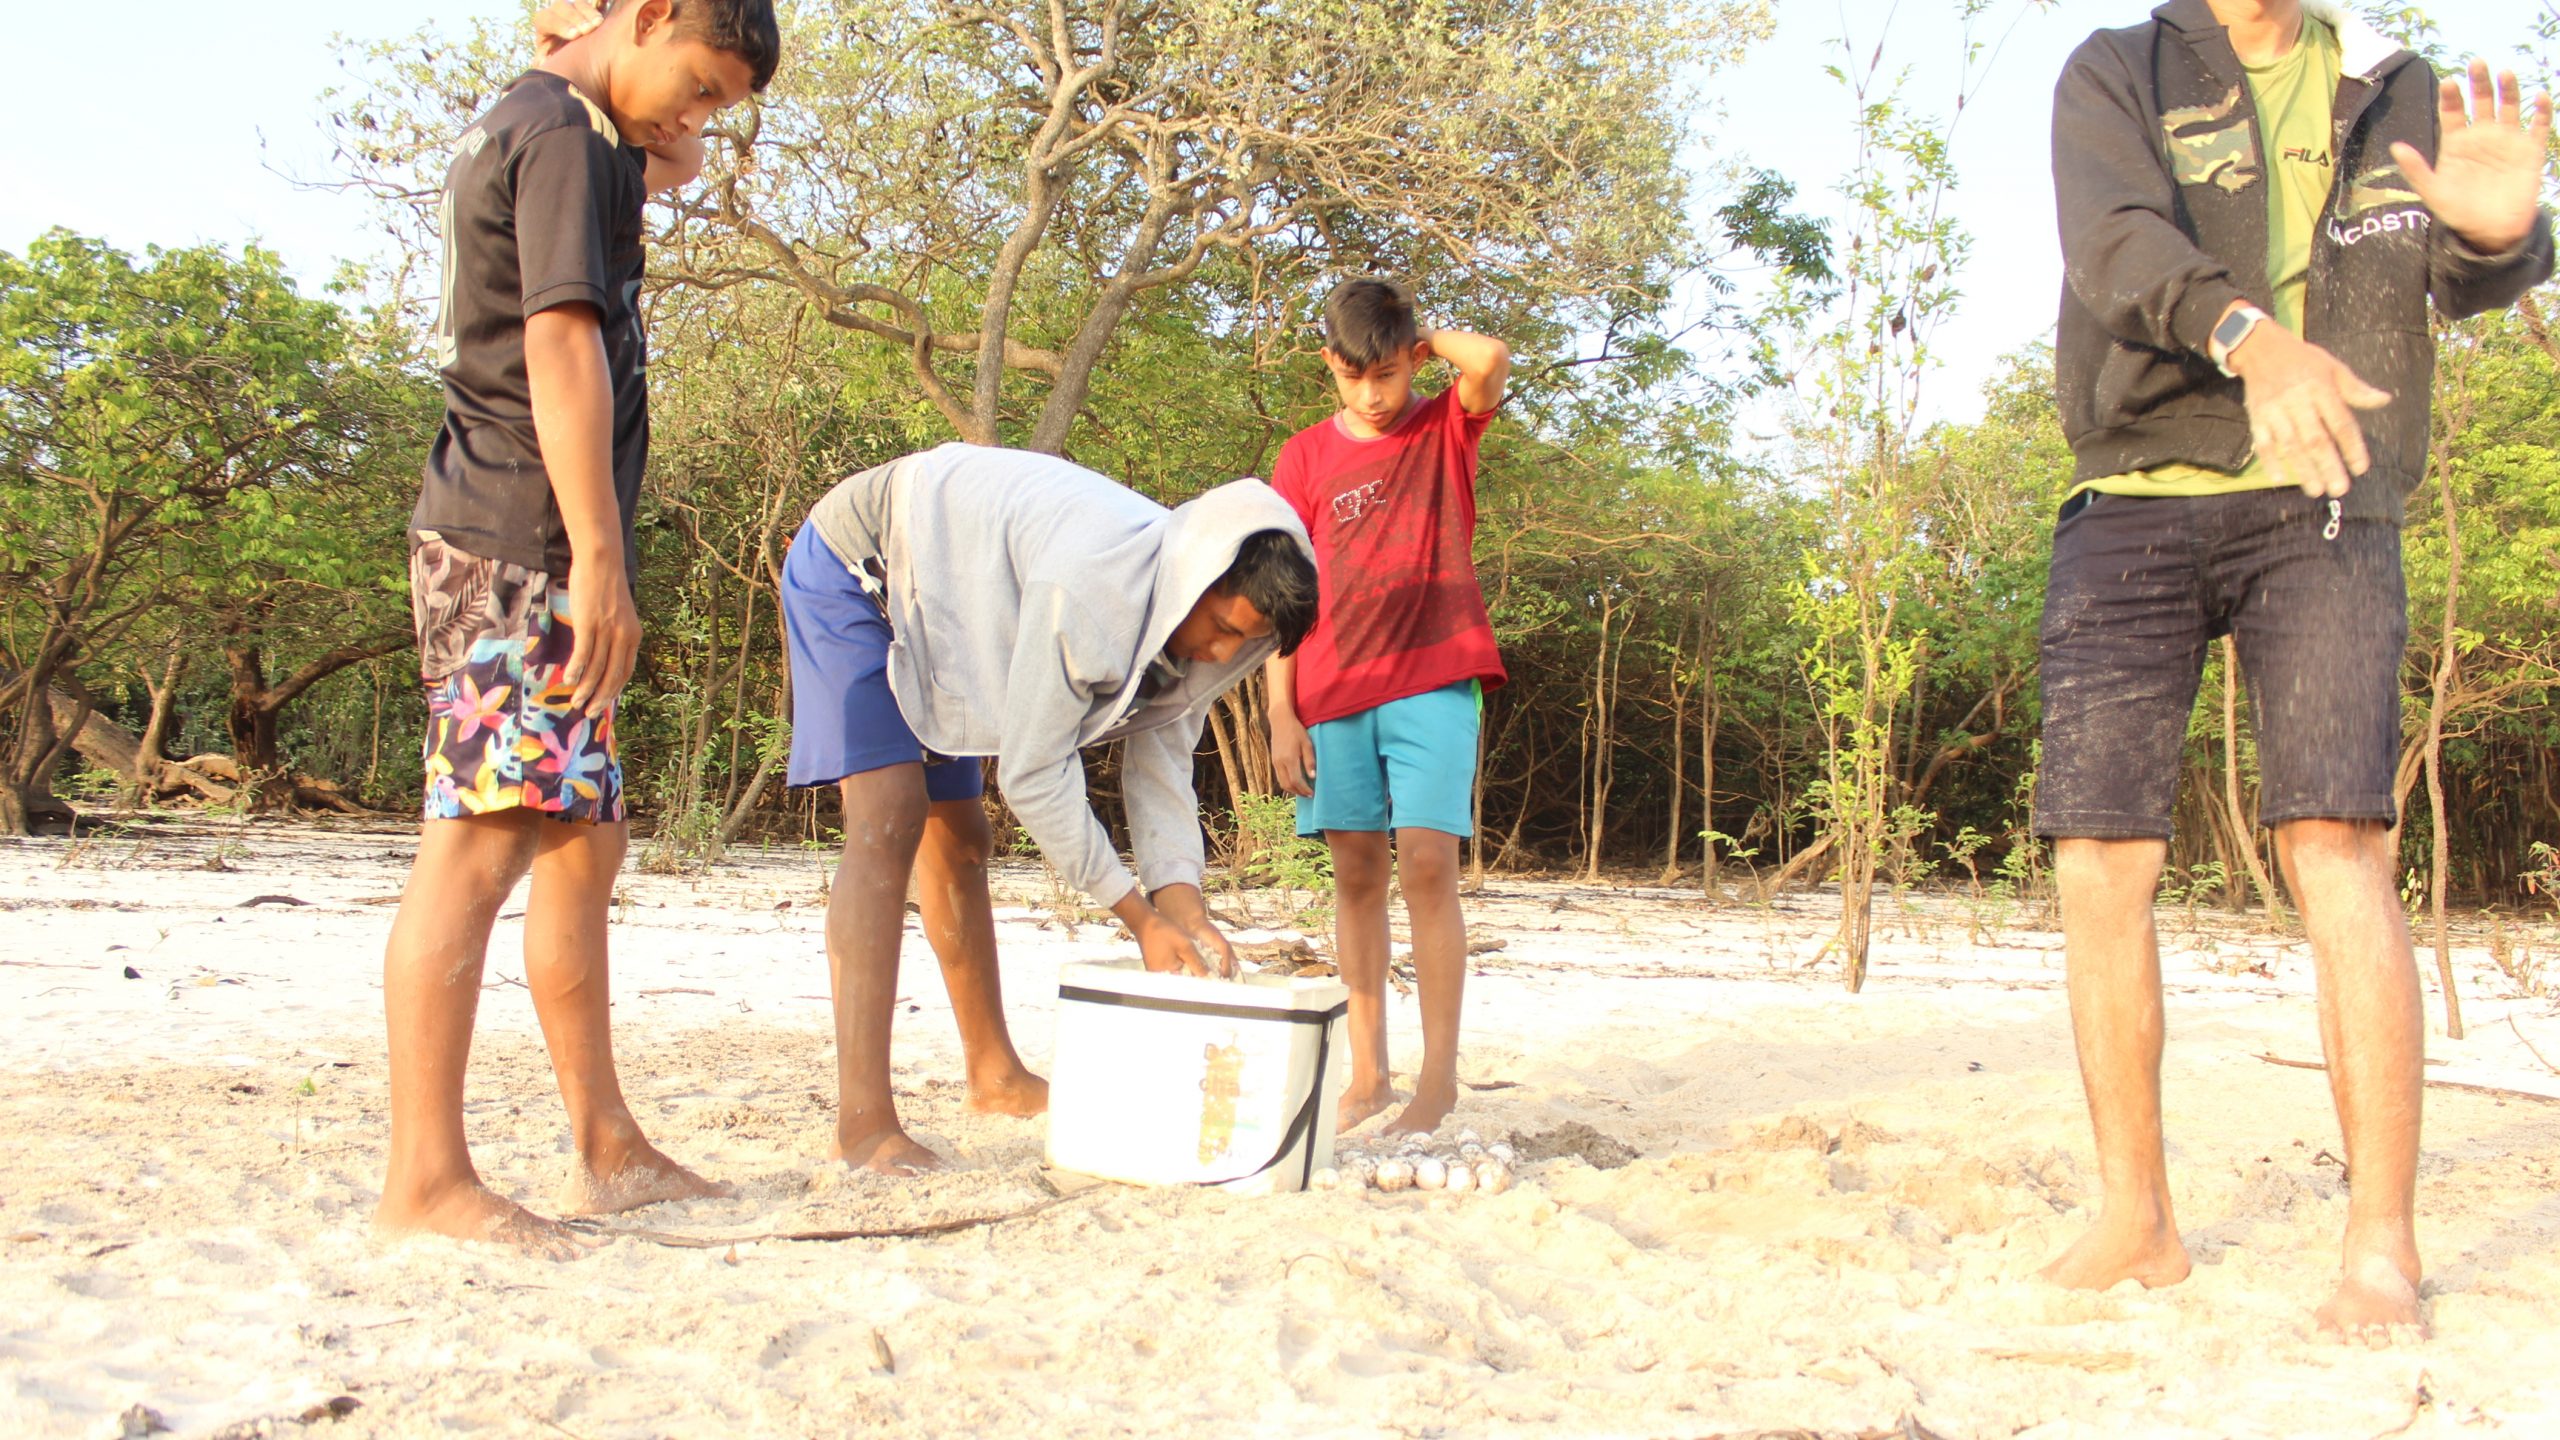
[1374, 722]
[521, 562]
[970, 602]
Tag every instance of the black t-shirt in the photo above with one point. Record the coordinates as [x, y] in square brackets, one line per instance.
[541, 208]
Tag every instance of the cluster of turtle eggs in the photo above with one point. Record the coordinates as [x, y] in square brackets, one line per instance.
[1418, 1162]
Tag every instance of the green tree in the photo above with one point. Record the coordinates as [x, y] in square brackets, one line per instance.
[995, 191]
[138, 403]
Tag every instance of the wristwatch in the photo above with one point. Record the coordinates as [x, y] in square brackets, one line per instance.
[2227, 335]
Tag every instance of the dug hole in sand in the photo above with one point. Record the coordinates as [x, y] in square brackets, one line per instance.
[1746, 1201]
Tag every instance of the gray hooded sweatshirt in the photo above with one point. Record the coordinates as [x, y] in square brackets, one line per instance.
[1028, 596]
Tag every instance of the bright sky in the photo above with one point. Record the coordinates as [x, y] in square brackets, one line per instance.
[1787, 116]
[211, 106]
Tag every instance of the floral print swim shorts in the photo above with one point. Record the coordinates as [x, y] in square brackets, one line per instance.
[493, 647]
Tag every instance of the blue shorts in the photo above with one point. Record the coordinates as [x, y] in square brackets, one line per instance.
[1409, 764]
[844, 719]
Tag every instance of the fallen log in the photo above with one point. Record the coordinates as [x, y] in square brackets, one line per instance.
[211, 777]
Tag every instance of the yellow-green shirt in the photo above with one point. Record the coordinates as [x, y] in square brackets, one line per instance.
[2295, 95]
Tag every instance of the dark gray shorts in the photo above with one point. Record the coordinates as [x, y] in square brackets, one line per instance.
[2141, 586]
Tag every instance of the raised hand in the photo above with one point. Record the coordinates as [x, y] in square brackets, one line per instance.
[557, 24]
[2487, 177]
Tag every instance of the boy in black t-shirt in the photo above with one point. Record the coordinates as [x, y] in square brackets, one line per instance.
[521, 562]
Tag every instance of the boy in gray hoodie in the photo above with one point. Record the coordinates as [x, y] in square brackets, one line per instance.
[971, 602]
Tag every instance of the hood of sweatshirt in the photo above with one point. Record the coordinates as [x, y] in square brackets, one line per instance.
[1194, 544]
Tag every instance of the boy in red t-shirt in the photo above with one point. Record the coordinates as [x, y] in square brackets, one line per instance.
[1384, 700]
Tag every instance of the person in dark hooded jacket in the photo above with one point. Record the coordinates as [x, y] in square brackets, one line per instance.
[2259, 200]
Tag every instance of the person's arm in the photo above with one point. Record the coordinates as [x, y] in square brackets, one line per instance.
[671, 166]
[2492, 240]
[1482, 362]
[2123, 254]
[1047, 696]
[2302, 402]
[572, 390]
[1293, 751]
[1164, 829]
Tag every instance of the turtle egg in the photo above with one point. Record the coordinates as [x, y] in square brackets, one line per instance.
[1502, 1151]
[1462, 1178]
[1493, 1177]
[1469, 1137]
[1429, 1173]
[1470, 1153]
[1394, 1175]
[1327, 1178]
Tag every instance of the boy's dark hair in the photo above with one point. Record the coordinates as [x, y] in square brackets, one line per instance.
[1368, 320]
[1272, 572]
[744, 28]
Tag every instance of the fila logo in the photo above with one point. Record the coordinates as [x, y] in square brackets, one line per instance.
[2304, 154]
[1350, 505]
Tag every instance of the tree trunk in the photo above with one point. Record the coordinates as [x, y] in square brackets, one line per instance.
[142, 776]
[1601, 747]
[2446, 662]
[1710, 711]
[1679, 784]
[773, 757]
[257, 708]
[2243, 834]
[253, 735]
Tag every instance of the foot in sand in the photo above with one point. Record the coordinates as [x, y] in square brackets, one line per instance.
[1017, 1093]
[471, 1211]
[1431, 1105]
[888, 1152]
[2376, 1301]
[1360, 1102]
[628, 1176]
[2113, 1251]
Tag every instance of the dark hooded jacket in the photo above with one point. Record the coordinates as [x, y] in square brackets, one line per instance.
[2161, 184]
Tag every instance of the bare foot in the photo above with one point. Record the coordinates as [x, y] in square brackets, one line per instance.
[1431, 1105]
[1360, 1102]
[632, 1176]
[1020, 1093]
[2375, 1300]
[475, 1213]
[2112, 1252]
[889, 1152]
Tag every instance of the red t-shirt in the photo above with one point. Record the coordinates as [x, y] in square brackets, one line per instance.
[1394, 521]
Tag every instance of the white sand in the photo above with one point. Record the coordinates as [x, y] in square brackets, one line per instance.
[183, 1224]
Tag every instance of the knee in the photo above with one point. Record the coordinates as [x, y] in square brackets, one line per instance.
[1429, 866]
[1361, 870]
[960, 838]
[2334, 844]
[2105, 869]
[486, 854]
[882, 820]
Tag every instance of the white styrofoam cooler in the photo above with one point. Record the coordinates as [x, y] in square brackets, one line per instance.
[1180, 1080]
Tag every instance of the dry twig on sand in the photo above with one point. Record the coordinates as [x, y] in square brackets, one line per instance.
[678, 1241]
[2529, 1045]
[2499, 1091]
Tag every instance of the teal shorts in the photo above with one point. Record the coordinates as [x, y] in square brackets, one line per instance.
[1409, 764]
